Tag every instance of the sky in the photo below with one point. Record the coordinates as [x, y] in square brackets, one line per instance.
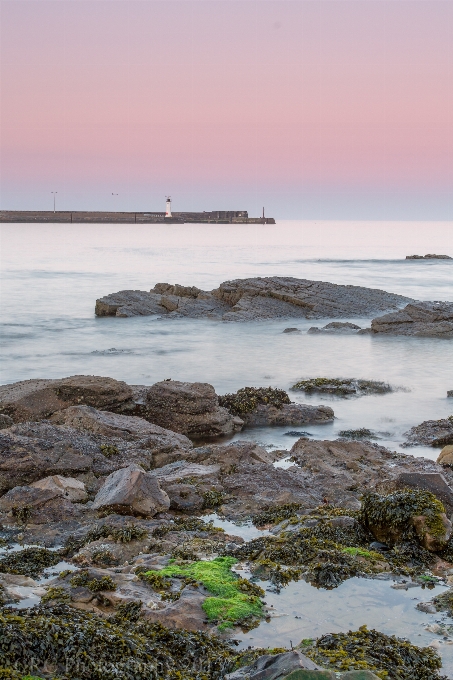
[326, 109]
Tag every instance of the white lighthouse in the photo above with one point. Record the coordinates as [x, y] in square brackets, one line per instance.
[168, 207]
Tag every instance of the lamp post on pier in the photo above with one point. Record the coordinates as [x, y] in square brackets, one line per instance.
[54, 193]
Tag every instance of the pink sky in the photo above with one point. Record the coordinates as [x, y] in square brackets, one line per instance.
[310, 107]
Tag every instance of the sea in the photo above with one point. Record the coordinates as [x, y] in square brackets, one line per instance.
[52, 274]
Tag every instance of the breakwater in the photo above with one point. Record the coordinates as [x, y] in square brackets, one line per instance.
[96, 217]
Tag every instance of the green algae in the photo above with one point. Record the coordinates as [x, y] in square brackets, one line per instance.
[247, 399]
[387, 656]
[29, 562]
[84, 646]
[233, 603]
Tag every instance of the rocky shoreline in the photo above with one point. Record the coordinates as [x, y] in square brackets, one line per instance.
[287, 297]
[113, 481]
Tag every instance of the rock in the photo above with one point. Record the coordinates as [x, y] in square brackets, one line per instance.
[336, 328]
[422, 319]
[37, 399]
[428, 257]
[70, 488]
[251, 299]
[128, 303]
[129, 428]
[132, 491]
[450, 393]
[184, 497]
[278, 667]
[342, 387]
[434, 482]
[189, 408]
[431, 433]
[427, 539]
[26, 504]
[288, 414]
[445, 457]
[5, 421]
[291, 330]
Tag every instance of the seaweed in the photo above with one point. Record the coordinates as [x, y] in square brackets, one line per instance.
[212, 499]
[342, 386]
[109, 450]
[83, 578]
[396, 509]
[84, 646]
[126, 534]
[386, 655]
[56, 594]
[185, 524]
[127, 611]
[232, 603]
[247, 399]
[22, 514]
[361, 433]
[29, 562]
[276, 514]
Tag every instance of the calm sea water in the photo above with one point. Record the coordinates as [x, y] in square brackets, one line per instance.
[52, 275]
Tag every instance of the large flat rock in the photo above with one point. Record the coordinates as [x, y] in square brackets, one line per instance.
[422, 319]
[252, 299]
[39, 398]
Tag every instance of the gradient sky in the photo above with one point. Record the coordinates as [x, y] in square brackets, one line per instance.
[313, 108]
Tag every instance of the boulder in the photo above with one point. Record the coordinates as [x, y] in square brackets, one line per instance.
[68, 487]
[132, 491]
[252, 299]
[450, 393]
[434, 482]
[423, 319]
[39, 398]
[431, 433]
[37, 506]
[445, 457]
[278, 667]
[288, 414]
[189, 408]
[291, 330]
[129, 428]
[336, 328]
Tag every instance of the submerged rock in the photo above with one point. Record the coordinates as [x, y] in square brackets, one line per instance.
[132, 491]
[422, 319]
[431, 433]
[342, 387]
[39, 398]
[252, 299]
[278, 666]
[336, 328]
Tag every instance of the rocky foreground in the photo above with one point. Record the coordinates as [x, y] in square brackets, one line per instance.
[115, 480]
[252, 299]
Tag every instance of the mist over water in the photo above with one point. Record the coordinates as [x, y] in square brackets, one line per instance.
[52, 275]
